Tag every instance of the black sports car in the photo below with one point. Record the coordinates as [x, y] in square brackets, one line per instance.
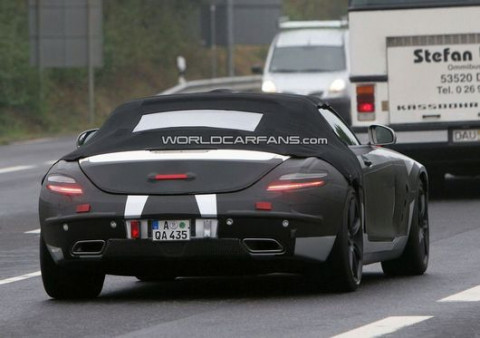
[221, 183]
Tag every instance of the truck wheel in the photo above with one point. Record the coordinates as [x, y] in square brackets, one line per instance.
[414, 260]
[61, 283]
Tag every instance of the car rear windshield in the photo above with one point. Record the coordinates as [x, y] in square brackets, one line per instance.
[209, 118]
[306, 59]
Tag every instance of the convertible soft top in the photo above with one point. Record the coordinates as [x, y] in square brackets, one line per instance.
[208, 118]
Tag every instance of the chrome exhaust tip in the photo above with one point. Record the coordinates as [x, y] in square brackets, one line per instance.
[89, 247]
[263, 245]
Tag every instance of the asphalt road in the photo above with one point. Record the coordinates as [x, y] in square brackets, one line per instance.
[445, 302]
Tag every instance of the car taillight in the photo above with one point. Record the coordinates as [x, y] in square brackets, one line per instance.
[135, 229]
[63, 185]
[280, 186]
[366, 99]
[297, 181]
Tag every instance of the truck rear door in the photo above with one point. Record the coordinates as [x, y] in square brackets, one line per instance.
[434, 78]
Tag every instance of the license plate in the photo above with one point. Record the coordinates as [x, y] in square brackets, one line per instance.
[171, 230]
[466, 135]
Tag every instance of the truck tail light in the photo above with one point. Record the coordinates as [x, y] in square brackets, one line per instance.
[366, 99]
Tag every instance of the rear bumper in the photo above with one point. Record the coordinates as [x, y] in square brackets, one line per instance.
[304, 240]
[195, 258]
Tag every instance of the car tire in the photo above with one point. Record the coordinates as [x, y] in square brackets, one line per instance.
[414, 259]
[61, 283]
[345, 263]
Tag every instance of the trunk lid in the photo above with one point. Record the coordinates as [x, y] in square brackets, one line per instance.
[178, 172]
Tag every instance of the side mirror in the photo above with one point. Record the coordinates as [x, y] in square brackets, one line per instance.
[85, 136]
[257, 69]
[380, 135]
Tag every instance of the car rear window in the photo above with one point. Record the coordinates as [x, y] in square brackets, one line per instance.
[222, 119]
[308, 59]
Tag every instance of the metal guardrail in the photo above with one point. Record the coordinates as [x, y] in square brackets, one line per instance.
[240, 83]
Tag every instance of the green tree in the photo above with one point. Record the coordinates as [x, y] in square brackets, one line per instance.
[315, 9]
[18, 80]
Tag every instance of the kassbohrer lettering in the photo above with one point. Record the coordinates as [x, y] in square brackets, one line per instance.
[436, 106]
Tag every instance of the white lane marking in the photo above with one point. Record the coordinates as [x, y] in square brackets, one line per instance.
[16, 168]
[23, 167]
[134, 206]
[470, 295]
[19, 278]
[36, 231]
[383, 327]
[207, 204]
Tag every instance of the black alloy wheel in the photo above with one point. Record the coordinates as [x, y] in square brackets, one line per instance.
[414, 259]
